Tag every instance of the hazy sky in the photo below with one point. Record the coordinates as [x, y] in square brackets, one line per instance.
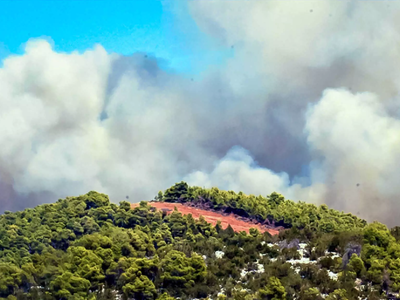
[129, 97]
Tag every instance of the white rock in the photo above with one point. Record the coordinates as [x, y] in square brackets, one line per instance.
[332, 275]
[243, 273]
[219, 254]
[260, 268]
[303, 246]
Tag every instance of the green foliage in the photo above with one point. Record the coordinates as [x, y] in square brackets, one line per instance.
[273, 291]
[273, 208]
[395, 232]
[176, 193]
[165, 296]
[377, 234]
[375, 272]
[139, 288]
[339, 294]
[88, 248]
[356, 265]
[180, 271]
[10, 278]
[310, 294]
[68, 284]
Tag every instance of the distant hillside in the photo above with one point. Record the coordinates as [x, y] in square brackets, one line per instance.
[88, 248]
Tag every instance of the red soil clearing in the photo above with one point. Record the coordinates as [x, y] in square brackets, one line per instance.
[210, 217]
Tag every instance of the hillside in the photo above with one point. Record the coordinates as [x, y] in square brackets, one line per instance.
[86, 247]
[273, 210]
[212, 217]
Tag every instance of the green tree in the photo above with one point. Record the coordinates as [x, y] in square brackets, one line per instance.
[94, 199]
[177, 193]
[140, 287]
[310, 294]
[181, 271]
[356, 265]
[274, 290]
[165, 296]
[69, 284]
[10, 278]
[339, 294]
[86, 264]
[378, 234]
[275, 199]
[159, 197]
[375, 272]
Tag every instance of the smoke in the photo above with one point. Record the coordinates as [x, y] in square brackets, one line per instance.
[238, 171]
[359, 146]
[326, 74]
[308, 106]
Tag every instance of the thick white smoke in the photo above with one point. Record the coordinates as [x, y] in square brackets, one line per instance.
[359, 148]
[308, 106]
[238, 171]
[331, 76]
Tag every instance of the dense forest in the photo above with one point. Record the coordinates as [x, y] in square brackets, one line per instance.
[89, 248]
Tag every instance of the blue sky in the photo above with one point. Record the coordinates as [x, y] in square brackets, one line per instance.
[120, 26]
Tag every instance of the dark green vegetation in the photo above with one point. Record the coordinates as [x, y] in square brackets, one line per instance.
[88, 248]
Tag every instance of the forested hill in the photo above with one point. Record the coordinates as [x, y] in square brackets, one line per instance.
[88, 248]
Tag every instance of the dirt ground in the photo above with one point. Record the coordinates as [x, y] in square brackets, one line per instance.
[211, 217]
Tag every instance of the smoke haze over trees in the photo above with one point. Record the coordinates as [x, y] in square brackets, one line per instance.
[307, 105]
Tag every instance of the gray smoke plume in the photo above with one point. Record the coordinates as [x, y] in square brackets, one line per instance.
[308, 106]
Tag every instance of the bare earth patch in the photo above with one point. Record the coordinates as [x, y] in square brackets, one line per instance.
[210, 217]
